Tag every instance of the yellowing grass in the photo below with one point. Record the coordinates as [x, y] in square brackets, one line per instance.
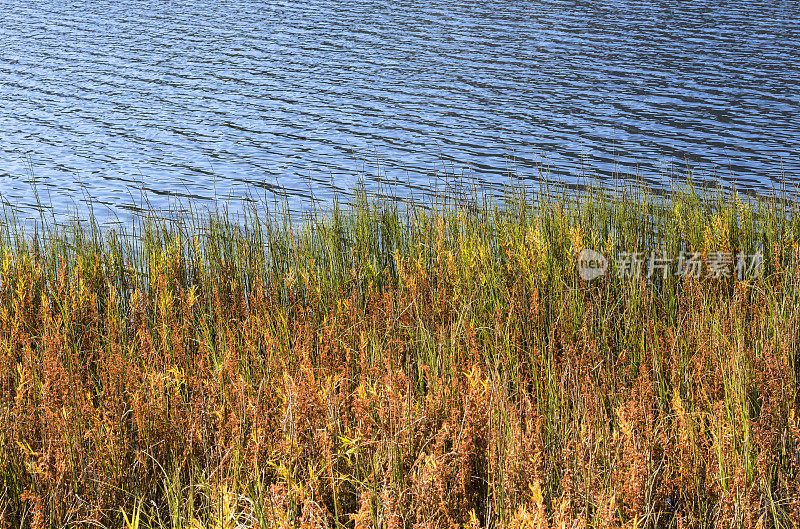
[377, 367]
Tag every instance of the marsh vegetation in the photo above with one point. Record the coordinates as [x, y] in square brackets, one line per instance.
[386, 366]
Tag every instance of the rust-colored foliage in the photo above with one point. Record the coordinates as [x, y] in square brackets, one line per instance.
[459, 379]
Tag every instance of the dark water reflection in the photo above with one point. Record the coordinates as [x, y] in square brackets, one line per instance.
[125, 99]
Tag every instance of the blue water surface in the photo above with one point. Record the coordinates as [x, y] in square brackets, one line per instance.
[128, 101]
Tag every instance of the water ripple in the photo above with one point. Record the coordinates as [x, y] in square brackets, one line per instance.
[200, 99]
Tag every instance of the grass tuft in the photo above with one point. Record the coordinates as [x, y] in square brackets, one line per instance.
[380, 365]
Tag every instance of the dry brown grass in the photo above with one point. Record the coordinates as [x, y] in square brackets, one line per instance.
[439, 369]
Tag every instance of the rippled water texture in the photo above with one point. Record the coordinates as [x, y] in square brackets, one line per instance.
[125, 99]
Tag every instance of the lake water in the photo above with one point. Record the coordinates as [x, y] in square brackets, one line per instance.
[128, 100]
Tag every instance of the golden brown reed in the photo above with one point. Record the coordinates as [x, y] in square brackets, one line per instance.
[398, 369]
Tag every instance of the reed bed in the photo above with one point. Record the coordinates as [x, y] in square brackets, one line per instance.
[385, 366]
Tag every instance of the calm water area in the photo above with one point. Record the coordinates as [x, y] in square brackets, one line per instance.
[122, 103]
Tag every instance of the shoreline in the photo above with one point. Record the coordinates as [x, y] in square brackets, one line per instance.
[372, 368]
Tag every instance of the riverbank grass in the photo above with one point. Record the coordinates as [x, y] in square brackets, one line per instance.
[384, 366]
